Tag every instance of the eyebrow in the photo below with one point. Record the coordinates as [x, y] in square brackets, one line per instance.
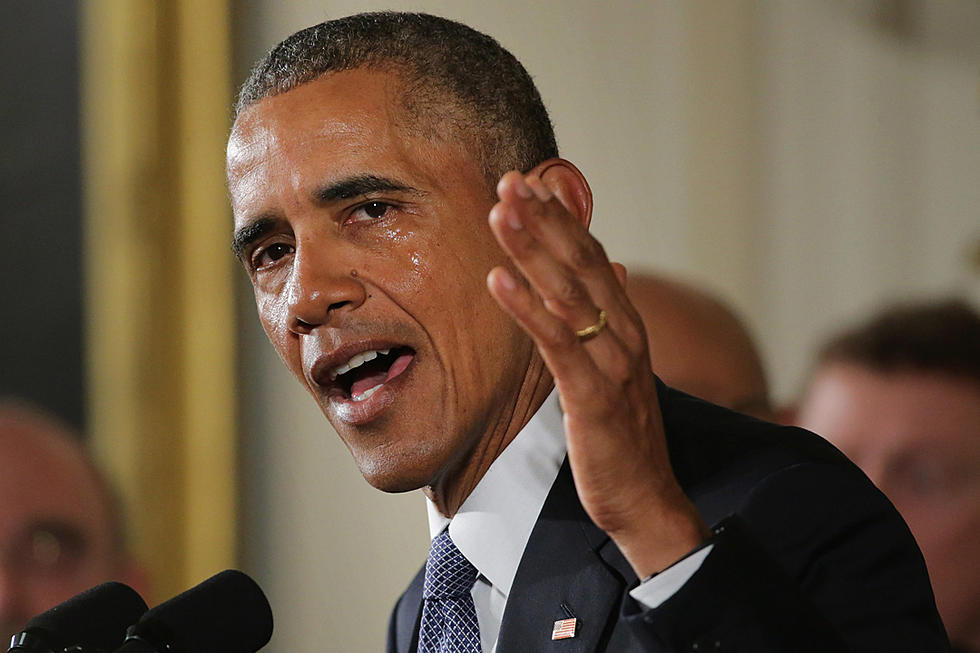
[358, 185]
[251, 232]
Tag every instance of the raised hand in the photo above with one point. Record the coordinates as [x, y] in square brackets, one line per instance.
[570, 299]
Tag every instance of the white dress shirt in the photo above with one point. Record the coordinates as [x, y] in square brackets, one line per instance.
[494, 523]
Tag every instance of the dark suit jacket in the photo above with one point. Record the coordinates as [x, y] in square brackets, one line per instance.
[808, 556]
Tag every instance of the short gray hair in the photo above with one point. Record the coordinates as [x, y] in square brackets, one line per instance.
[493, 104]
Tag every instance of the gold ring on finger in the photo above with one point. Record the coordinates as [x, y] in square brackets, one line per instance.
[592, 331]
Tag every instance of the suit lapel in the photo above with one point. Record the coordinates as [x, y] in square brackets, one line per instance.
[407, 617]
[568, 560]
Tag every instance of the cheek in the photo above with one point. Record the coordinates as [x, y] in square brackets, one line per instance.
[415, 271]
[395, 260]
[428, 272]
[945, 526]
[274, 316]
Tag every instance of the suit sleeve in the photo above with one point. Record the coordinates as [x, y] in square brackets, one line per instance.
[814, 560]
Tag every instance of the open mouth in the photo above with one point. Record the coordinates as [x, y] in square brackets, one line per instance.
[365, 373]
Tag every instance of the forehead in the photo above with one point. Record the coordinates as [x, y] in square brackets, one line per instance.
[341, 123]
[345, 100]
[900, 409]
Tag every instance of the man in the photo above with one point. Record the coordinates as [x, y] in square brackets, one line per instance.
[363, 170]
[900, 395]
[699, 345]
[60, 530]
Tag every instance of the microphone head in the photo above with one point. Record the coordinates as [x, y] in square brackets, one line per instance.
[96, 619]
[227, 613]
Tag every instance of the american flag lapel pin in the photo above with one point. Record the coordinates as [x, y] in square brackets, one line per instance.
[565, 628]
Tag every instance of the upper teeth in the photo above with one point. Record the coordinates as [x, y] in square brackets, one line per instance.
[356, 361]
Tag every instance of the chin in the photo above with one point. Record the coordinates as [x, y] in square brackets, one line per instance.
[393, 484]
[396, 472]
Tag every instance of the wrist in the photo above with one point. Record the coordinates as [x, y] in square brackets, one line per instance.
[659, 536]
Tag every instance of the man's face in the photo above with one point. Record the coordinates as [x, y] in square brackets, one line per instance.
[917, 436]
[362, 238]
[55, 530]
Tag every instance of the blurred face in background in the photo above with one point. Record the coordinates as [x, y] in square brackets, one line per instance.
[56, 532]
[699, 346]
[917, 436]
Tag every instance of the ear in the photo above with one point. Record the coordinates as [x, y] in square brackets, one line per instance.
[569, 185]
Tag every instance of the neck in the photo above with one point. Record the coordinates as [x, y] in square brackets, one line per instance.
[449, 493]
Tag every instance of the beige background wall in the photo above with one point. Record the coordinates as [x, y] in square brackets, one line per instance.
[807, 159]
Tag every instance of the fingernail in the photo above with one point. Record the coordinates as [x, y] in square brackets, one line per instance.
[506, 280]
[523, 189]
[514, 221]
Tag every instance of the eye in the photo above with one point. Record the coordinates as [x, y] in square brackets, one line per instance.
[269, 255]
[369, 211]
[48, 549]
[924, 478]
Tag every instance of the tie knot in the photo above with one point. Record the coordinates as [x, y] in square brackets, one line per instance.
[448, 574]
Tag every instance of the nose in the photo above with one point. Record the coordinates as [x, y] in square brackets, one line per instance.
[321, 284]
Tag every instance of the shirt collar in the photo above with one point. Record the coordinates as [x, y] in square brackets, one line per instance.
[494, 523]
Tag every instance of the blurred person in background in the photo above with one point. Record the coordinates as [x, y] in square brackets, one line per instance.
[699, 345]
[900, 395]
[60, 524]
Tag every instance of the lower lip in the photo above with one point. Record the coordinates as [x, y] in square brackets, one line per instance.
[356, 413]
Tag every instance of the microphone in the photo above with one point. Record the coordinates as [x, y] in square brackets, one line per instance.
[227, 613]
[94, 620]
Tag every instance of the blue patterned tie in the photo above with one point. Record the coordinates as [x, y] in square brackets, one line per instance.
[448, 616]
